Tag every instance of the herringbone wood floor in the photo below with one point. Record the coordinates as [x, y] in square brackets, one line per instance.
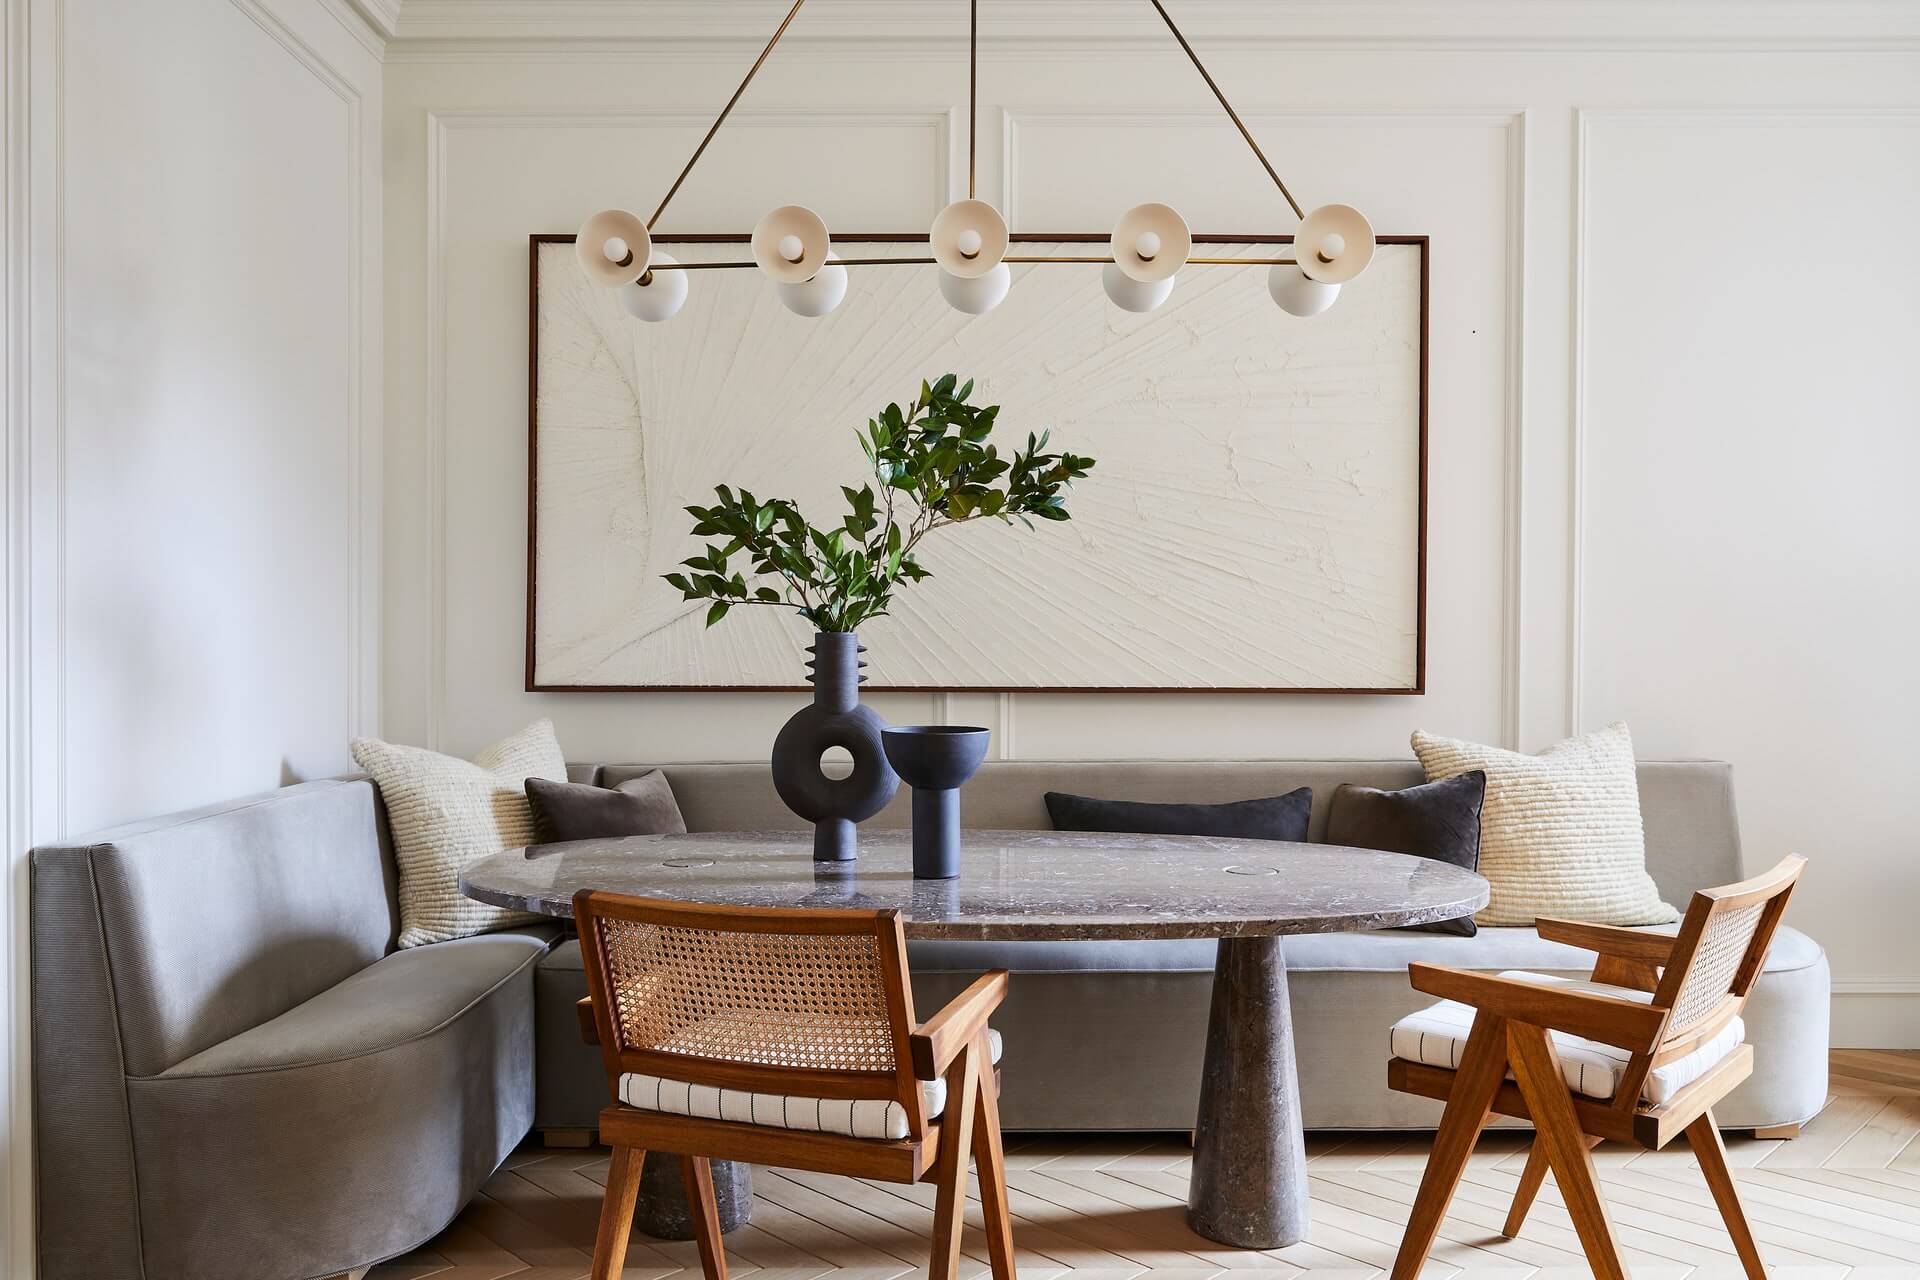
[1843, 1199]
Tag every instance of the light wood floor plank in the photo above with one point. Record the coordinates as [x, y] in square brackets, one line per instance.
[1841, 1200]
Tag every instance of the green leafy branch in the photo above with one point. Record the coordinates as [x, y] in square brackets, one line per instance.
[933, 467]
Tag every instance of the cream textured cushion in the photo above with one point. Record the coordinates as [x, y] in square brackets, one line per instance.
[446, 812]
[1437, 1036]
[855, 1117]
[1560, 832]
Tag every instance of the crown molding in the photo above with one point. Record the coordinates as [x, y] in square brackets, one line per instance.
[491, 27]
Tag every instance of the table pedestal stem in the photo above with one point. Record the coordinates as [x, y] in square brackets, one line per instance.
[1249, 1184]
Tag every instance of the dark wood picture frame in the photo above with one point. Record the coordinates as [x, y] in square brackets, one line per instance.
[1419, 685]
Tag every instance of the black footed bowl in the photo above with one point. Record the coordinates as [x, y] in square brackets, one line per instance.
[935, 757]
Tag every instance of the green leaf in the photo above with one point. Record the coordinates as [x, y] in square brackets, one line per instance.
[767, 594]
[718, 612]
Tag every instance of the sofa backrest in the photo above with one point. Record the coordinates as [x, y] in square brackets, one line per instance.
[1693, 838]
[197, 926]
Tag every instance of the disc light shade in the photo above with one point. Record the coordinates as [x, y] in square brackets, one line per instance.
[1334, 243]
[591, 246]
[976, 295]
[816, 297]
[788, 227]
[658, 295]
[1157, 229]
[951, 239]
[1297, 294]
[1133, 295]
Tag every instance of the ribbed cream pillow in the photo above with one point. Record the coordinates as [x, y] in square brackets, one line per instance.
[1560, 832]
[446, 812]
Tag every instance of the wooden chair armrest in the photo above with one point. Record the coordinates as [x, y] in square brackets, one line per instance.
[1609, 940]
[1627, 1024]
[589, 1030]
[941, 1037]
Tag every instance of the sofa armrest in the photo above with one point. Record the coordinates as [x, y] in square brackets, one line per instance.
[87, 1181]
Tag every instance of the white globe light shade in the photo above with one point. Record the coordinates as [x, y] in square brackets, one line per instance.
[1297, 294]
[658, 295]
[976, 295]
[819, 296]
[1134, 295]
[613, 248]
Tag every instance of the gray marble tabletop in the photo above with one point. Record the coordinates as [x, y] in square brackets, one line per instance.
[1012, 884]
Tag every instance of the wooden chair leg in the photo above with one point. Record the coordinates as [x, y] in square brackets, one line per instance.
[1536, 1069]
[1703, 1135]
[950, 1169]
[1482, 1067]
[990, 1158]
[697, 1173]
[1530, 1180]
[616, 1213]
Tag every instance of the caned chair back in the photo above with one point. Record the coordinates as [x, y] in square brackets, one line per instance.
[1718, 955]
[812, 1003]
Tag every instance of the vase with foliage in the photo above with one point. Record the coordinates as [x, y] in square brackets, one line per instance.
[934, 466]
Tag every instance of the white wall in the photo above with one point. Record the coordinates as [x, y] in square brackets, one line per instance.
[1673, 385]
[1672, 382]
[193, 423]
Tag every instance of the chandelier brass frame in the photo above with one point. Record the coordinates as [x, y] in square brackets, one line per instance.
[970, 239]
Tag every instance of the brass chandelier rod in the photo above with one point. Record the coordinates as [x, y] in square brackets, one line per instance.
[724, 113]
[1015, 258]
[1233, 115]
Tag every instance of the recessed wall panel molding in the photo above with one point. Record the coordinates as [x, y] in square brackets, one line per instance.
[1743, 576]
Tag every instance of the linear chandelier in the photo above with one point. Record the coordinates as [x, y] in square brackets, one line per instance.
[969, 239]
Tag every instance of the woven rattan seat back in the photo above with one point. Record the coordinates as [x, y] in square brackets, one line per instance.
[1721, 947]
[777, 1001]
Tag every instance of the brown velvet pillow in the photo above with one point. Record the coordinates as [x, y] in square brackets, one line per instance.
[642, 806]
[1438, 820]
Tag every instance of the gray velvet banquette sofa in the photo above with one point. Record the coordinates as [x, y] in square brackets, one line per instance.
[238, 1076]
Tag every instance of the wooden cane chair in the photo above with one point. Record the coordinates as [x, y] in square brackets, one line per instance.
[785, 1037]
[1639, 1054]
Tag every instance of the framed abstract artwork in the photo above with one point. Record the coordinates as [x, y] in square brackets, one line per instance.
[1256, 520]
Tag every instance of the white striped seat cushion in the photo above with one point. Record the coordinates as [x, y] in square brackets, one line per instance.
[854, 1117]
[1437, 1036]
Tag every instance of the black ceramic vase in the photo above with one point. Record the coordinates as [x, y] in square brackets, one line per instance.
[836, 719]
[935, 760]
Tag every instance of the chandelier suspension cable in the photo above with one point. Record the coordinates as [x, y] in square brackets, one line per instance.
[724, 113]
[973, 90]
[1233, 115]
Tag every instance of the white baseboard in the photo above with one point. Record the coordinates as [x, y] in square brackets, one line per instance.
[1876, 1015]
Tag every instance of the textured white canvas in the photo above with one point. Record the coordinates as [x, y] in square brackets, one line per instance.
[1254, 520]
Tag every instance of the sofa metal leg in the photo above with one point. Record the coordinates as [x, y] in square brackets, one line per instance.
[568, 1137]
[1785, 1132]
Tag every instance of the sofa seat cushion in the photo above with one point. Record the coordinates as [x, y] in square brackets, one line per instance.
[1437, 1036]
[395, 999]
[854, 1117]
[1380, 951]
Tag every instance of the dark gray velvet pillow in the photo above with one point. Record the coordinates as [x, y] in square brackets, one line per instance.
[1438, 820]
[1274, 818]
[642, 806]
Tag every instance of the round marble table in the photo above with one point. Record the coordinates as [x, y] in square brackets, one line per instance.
[1249, 1184]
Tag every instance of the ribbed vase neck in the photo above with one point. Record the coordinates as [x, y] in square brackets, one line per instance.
[836, 670]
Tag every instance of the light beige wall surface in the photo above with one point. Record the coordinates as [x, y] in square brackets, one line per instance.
[1673, 389]
[192, 402]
